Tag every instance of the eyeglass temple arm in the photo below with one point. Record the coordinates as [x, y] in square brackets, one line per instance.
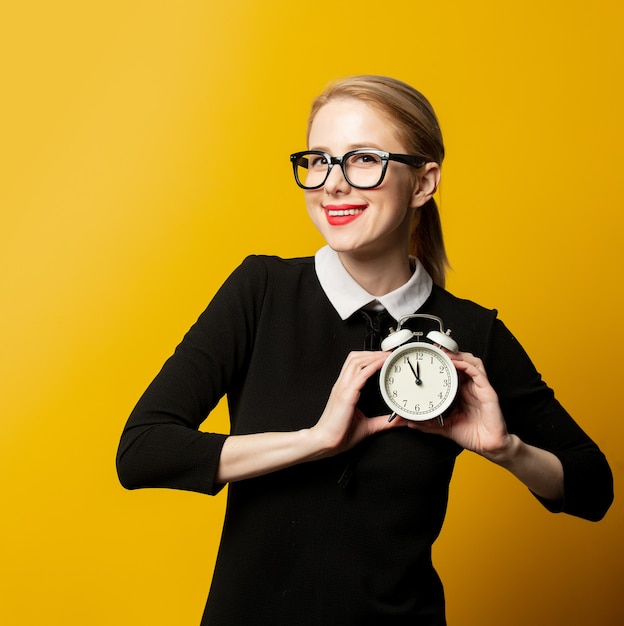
[408, 159]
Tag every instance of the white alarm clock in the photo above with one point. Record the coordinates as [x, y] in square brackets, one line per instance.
[418, 381]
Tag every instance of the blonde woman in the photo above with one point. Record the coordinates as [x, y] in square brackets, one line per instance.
[332, 507]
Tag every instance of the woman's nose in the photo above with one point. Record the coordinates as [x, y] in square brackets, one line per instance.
[336, 181]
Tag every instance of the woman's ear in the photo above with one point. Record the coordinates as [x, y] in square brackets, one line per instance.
[427, 182]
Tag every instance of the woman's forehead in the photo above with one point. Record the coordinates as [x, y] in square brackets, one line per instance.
[352, 123]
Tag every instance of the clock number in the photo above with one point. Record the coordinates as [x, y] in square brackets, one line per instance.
[397, 369]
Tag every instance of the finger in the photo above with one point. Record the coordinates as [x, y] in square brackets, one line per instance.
[357, 369]
[364, 363]
[478, 387]
[468, 363]
[473, 372]
[380, 423]
[465, 356]
[431, 426]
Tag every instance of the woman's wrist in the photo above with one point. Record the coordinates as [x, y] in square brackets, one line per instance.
[505, 454]
[541, 471]
[318, 444]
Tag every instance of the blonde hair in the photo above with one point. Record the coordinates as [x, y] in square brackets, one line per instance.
[417, 127]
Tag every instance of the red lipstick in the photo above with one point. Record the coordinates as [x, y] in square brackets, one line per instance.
[341, 214]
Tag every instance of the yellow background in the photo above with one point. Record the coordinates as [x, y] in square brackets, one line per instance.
[144, 152]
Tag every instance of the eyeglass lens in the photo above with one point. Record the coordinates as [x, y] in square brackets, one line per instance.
[362, 169]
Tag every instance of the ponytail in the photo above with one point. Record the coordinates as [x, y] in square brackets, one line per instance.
[427, 241]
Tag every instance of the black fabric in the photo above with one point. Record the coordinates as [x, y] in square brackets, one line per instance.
[345, 540]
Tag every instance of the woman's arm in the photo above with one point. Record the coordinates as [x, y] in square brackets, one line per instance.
[478, 425]
[340, 427]
[162, 446]
[559, 463]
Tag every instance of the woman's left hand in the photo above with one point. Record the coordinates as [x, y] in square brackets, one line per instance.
[477, 422]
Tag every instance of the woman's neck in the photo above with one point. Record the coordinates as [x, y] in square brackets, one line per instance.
[378, 276]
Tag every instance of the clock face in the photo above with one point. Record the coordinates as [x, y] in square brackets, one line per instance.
[418, 381]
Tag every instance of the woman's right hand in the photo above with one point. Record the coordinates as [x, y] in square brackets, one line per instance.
[342, 425]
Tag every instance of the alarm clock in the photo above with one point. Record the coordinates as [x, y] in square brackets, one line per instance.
[418, 381]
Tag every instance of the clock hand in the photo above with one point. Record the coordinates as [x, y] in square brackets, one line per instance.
[414, 371]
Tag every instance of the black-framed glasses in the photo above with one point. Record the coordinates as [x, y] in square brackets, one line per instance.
[362, 169]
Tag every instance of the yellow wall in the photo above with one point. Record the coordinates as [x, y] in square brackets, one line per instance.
[125, 201]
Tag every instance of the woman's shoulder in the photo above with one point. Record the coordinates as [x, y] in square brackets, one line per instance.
[471, 324]
[277, 264]
[258, 273]
[448, 301]
[273, 264]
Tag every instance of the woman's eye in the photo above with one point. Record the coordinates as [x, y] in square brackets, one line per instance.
[366, 159]
[318, 162]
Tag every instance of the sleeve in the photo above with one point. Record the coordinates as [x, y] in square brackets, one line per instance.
[161, 445]
[534, 414]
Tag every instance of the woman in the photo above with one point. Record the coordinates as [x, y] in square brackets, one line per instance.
[332, 508]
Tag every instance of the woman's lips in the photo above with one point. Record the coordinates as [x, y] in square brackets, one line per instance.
[341, 214]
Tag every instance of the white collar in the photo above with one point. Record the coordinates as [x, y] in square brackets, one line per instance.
[347, 296]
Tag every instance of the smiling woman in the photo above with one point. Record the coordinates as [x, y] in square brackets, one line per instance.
[408, 116]
[332, 507]
[385, 210]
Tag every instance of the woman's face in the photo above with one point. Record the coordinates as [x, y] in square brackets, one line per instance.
[368, 222]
